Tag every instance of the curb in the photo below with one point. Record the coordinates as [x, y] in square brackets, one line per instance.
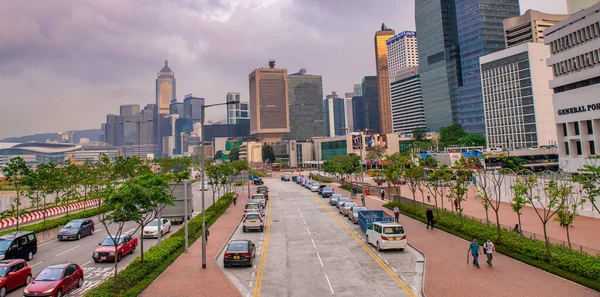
[227, 241]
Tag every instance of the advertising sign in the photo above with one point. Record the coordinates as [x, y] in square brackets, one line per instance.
[370, 141]
[382, 141]
[454, 157]
[356, 142]
[187, 96]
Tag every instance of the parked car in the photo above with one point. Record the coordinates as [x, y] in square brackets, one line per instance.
[295, 178]
[264, 191]
[260, 198]
[341, 200]
[354, 213]
[345, 210]
[258, 181]
[239, 253]
[18, 245]
[253, 221]
[106, 252]
[333, 200]
[342, 204]
[13, 274]
[76, 229]
[55, 280]
[314, 187]
[386, 235]
[285, 177]
[253, 207]
[151, 229]
[321, 187]
[326, 192]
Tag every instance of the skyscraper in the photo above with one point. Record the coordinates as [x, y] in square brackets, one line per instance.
[165, 88]
[480, 32]
[574, 6]
[239, 111]
[192, 108]
[529, 27]
[407, 101]
[402, 52]
[358, 113]
[305, 95]
[269, 110]
[371, 101]
[334, 114]
[177, 108]
[357, 89]
[383, 79]
[439, 61]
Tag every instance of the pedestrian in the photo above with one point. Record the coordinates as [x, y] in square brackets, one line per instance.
[428, 198]
[474, 250]
[456, 204]
[489, 249]
[397, 214]
[516, 229]
[206, 235]
[382, 193]
[234, 199]
[354, 191]
[429, 217]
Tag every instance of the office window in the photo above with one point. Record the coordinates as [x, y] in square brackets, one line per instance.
[576, 125]
[564, 129]
[567, 152]
[592, 148]
[578, 147]
[590, 128]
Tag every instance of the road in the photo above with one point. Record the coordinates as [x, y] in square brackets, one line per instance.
[308, 249]
[80, 251]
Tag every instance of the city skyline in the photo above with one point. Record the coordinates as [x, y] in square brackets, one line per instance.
[93, 57]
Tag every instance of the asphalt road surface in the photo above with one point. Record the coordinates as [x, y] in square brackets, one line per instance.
[80, 251]
[308, 249]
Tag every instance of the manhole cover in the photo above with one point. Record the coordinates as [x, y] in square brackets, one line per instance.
[275, 221]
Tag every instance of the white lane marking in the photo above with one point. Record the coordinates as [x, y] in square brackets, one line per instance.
[258, 253]
[320, 259]
[308, 231]
[380, 256]
[402, 277]
[413, 288]
[248, 295]
[101, 230]
[295, 203]
[250, 285]
[304, 222]
[45, 243]
[386, 262]
[131, 230]
[86, 263]
[313, 243]
[301, 215]
[394, 269]
[298, 209]
[254, 266]
[36, 264]
[329, 283]
[68, 250]
[252, 271]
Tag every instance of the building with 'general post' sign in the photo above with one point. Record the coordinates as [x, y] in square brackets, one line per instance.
[575, 58]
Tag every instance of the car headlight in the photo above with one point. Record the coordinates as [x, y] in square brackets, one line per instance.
[111, 253]
[95, 255]
[49, 291]
[25, 291]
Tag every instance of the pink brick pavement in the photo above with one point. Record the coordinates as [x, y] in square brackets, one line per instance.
[186, 278]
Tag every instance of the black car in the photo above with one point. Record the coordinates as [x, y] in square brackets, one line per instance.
[258, 181]
[239, 253]
[326, 192]
[18, 245]
[76, 229]
[285, 177]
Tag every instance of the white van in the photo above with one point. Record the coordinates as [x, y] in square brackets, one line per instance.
[386, 236]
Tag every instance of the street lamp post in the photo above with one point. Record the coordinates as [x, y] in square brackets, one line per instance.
[203, 170]
[185, 211]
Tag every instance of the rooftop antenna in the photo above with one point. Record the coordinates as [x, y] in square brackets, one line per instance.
[271, 64]
[166, 54]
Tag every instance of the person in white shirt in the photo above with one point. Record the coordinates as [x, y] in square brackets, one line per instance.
[489, 249]
[396, 213]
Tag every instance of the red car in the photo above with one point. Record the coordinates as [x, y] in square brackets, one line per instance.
[13, 274]
[55, 281]
[106, 251]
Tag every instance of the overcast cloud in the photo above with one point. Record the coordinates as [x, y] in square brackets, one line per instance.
[65, 64]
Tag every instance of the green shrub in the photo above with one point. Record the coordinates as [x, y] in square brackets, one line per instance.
[257, 173]
[134, 278]
[321, 179]
[573, 265]
[349, 188]
[56, 222]
[239, 184]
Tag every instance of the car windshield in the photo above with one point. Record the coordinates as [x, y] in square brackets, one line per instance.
[109, 241]
[237, 247]
[252, 216]
[153, 223]
[344, 200]
[73, 225]
[357, 209]
[4, 270]
[5, 244]
[336, 196]
[393, 230]
[251, 206]
[349, 204]
[327, 189]
[315, 185]
[49, 274]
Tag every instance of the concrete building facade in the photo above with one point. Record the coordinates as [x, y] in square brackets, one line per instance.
[305, 97]
[529, 27]
[408, 112]
[334, 114]
[371, 111]
[574, 6]
[402, 52]
[383, 80]
[239, 111]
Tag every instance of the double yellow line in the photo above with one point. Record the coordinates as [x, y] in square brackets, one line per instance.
[263, 257]
[391, 273]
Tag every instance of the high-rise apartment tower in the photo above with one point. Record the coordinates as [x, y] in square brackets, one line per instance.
[383, 79]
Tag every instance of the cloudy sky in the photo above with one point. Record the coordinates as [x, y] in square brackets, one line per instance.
[68, 63]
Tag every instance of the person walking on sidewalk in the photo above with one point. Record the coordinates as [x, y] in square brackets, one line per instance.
[234, 199]
[456, 205]
[489, 249]
[382, 193]
[397, 214]
[206, 235]
[429, 217]
[354, 192]
[474, 250]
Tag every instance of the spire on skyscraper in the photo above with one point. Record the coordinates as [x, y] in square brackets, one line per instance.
[166, 69]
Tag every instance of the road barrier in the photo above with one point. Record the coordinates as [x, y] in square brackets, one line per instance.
[37, 215]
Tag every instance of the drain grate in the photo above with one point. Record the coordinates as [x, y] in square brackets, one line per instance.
[275, 221]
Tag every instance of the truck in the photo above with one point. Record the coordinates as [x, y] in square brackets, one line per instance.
[368, 217]
[176, 213]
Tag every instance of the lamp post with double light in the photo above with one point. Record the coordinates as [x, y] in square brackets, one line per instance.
[204, 107]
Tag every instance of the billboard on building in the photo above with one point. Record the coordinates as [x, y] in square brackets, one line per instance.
[382, 140]
[454, 157]
[370, 141]
[356, 142]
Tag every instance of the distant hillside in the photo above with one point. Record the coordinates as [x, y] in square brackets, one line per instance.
[92, 134]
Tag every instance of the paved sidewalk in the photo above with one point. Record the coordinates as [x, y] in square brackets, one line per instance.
[185, 277]
[448, 274]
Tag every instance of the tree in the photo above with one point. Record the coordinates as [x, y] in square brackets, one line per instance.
[88, 177]
[567, 213]
[519, 201]
[589, 179]
[437, 183]
[414, 175]
[268, 154]
[489, 191]
[420, 133]
[473, 140]
[234, 154]
[215, 174]
[16, 171]
[428, 162]
[376, 153]
[451, 135]
[72, 178]
[464, 176]
[513, 163]
[393, 170]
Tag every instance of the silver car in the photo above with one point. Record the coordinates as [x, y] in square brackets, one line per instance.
[345, 210]
[334, 198]
[354, 216]
[341, 200]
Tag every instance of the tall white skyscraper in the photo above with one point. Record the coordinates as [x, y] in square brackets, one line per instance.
[402, 52]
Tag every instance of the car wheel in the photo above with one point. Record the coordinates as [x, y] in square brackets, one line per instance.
[169, 229]
[30, 256]
[96, 261]
[225, 265]
[78, 236]
[401, 249]
[378, 247]
[261, 229]
[367, 239]
[2, 291]
[80, 282]
[244, 229]
[119, 257]
[59, 293]
[28, 279]
[92, 231]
